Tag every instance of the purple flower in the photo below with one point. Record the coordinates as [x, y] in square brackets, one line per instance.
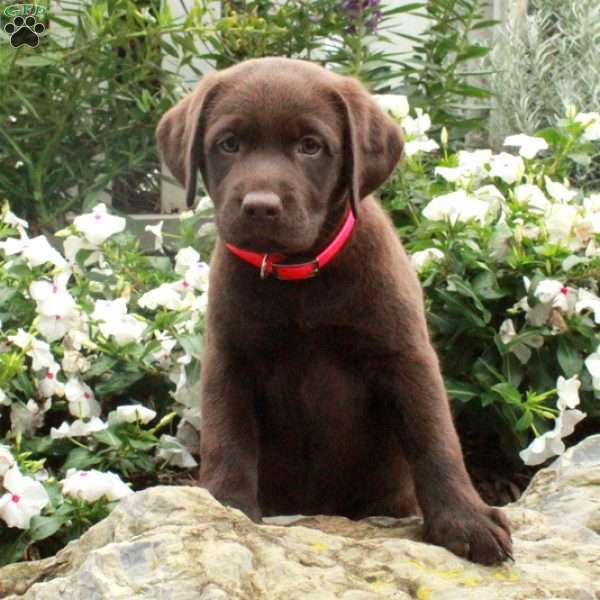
[368, 10]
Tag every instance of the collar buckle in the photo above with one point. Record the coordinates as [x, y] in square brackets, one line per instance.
[265, 267]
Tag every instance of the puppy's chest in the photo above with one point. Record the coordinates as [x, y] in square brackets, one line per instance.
[308, 375]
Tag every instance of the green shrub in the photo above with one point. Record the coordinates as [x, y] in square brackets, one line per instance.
[99, 369]
[77, 114]
[507, 253]
[543, 65]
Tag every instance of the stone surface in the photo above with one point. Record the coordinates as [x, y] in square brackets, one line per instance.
[178, 543]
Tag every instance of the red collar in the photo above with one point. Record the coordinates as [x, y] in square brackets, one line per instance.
[269, 263]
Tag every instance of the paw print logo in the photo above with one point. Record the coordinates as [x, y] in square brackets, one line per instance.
[24, 31]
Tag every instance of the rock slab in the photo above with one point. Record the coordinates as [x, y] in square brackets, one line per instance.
[178, 543]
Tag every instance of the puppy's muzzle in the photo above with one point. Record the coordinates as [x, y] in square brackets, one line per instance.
[262, 206]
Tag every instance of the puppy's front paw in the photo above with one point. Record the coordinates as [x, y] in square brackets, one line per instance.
[479, 532]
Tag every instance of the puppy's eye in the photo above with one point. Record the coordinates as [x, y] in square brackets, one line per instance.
[230, 144]
[309, 144]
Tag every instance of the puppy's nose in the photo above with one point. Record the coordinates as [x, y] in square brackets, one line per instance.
[262, 205]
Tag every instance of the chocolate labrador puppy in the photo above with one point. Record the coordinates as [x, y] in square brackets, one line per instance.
[321, 390]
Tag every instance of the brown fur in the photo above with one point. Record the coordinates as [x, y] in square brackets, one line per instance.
[322, 395]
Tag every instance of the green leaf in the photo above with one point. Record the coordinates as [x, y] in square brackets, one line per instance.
[508, 392]
[43, 527]
[473, 52]
[553, 136]
[192, 344]
[81, 458]
[525, 421]
[464, 288]
[118, 382]
[584, 160]
[461, 391]
[141, 444]
[403, 9]
[12, 551]
[100, 366]
[569, 358]
[108, 437]
[6, 293]
[485, 285]
[470, 90]
[38, 60]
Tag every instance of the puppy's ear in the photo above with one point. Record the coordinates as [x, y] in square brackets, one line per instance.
[372, 141]
[180, 132]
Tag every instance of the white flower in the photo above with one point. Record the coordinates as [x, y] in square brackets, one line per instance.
[36, 251]
[4, 399]
[533, 196]
[568, 392]
[73, 244]
[456, 206]
[205, 203]
[50, 384]
[131, 414]
[476, 160]
[560, 220]
[37, 350]
[548, 289]
[185, 258]
[453, 174]
[92, 485]
[490, 194]
[416, 127]
[78, 428]
[526, 230]
[78, 338]
[74, 362]
[422, 144]
[165, 295]
[554, 293]
[25, 498]
[200, 304]
[98, 225]
[591, 206]
[528, 146]
[174, 453]
[550, 443]
[507, 167]
[592, 126]
[6, 459]
[592, 364]
[558, 191]
[414, 130]
[27, 418]
[52, 298]
[156, 230]
[114, 321]
[396, 105]
[522, 351]
[421, 259]
[167, 343]
[472, 166]
[11, 219]
[55, 305]
[196, 276]
[80, 396]
[588, 301]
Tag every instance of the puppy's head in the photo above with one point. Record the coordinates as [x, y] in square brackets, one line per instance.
[283, 146]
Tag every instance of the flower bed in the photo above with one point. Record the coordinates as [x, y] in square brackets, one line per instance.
[100, 345]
